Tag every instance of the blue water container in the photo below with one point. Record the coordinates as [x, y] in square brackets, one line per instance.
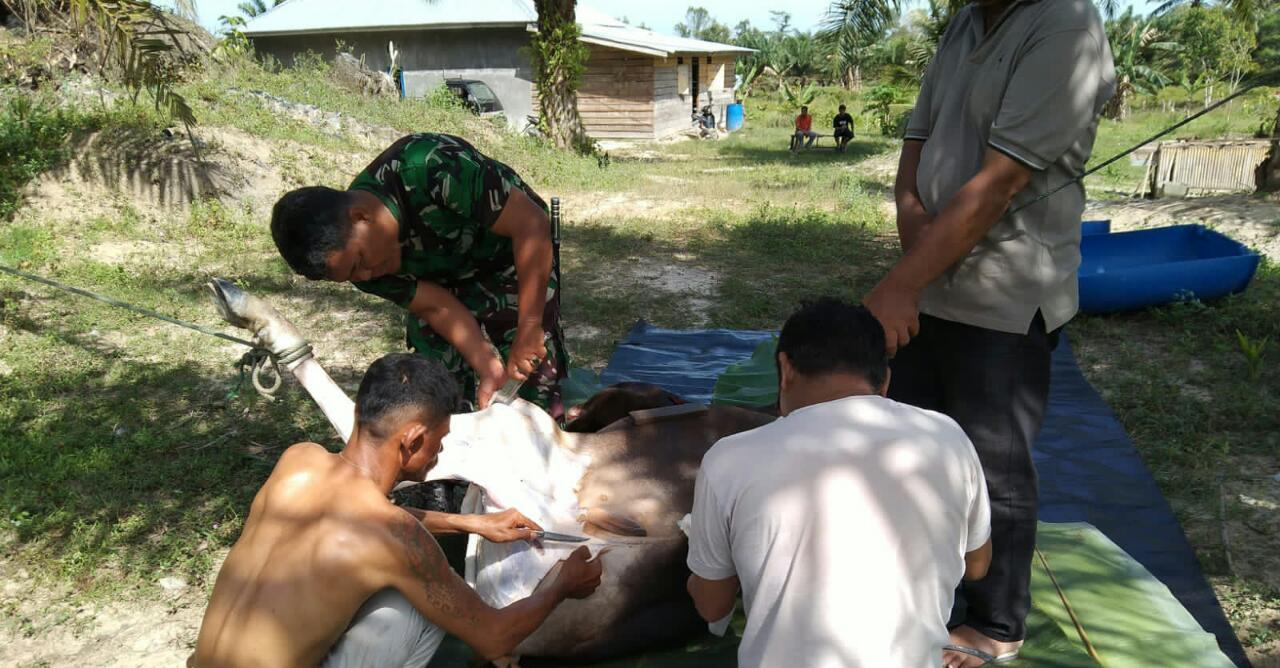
[1090, 227]
[1133, 270]
[733, 116]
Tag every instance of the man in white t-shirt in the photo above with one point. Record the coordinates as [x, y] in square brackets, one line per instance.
[849, 521]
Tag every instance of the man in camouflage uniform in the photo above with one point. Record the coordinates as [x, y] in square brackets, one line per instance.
[458, 240]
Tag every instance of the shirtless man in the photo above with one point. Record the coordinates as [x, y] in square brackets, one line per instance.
[328, 572]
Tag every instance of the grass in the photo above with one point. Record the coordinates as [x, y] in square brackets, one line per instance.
[130, 449]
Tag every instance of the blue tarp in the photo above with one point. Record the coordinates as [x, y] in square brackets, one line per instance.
[1089, 469]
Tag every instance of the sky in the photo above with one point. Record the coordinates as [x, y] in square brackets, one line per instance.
[660, 15]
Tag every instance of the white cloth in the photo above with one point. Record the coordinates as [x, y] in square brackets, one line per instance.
[847, 523]
[386, 632]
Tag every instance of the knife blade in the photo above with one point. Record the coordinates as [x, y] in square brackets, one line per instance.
[507, 393]
[560, 537]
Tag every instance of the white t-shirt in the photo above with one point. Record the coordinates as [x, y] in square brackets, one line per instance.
[847, 523]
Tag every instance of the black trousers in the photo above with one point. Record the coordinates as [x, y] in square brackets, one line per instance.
[995, 385]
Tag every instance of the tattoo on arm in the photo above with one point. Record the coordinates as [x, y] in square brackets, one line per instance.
[427, 563]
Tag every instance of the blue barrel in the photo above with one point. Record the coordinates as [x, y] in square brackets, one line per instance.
[733, 116]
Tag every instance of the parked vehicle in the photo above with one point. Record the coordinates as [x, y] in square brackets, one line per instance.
[476, 95]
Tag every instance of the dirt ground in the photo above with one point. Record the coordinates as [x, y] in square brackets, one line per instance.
[1251, 220]
[44, 625]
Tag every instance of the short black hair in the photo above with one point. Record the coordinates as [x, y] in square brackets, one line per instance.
[308, 224]
[404, 380]
[828, 335]
[842, 107]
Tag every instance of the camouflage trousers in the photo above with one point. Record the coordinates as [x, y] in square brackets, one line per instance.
[494, 303]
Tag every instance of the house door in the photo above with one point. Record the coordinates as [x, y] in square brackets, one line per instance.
[694, 80]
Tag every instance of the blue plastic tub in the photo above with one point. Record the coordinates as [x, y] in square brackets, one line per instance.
[733, 117]
[1133, 270]
[1091, 227]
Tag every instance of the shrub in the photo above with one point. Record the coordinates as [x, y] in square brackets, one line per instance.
[33, 138]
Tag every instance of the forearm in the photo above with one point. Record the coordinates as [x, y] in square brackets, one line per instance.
[449, 318]
[912, 216]
[713, 599]
[950, 236]
[519, 620]
[533, 254]
[443, 523]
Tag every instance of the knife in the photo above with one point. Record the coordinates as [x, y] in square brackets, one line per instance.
[507, 393]
[559, 537]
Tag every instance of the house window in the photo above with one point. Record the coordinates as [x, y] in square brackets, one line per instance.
[679, 60]
[708, 60]
[682, 79]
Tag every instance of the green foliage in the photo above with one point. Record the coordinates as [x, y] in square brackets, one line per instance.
[33, 138]
[1134, 45]
[798, 98]
[698, 24]
[1215, 47]
[255, 8]
[1252, 349]
[137, 42]
[877, 102]
[441, 97]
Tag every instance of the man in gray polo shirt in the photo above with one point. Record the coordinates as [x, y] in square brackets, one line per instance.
[1007, 111]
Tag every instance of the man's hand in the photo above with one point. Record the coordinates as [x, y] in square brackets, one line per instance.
[579, 574]
[898, 310]
[505, 527]
[527, 350]
[492, 377]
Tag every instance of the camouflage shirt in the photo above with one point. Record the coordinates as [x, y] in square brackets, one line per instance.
[446, 196]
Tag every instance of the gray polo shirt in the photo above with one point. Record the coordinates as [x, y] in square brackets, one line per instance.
[1032, 89]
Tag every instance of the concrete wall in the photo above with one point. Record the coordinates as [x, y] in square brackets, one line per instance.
[428, 57]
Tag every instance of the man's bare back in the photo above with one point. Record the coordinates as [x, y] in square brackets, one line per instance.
[291, 583]
[322, 538]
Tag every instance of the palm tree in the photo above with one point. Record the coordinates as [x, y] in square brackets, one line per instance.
[558, 63]
[137, 41]
[850, 27]
[255, 8]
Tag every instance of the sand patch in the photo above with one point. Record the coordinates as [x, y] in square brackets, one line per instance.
[1253, 221]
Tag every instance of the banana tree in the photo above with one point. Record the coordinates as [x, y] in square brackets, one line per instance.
[1133, 42]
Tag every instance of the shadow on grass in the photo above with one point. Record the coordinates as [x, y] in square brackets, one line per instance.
[755, 153]
[113, 466]
[762, 265]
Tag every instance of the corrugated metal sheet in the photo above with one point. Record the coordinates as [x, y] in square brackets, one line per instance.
[295, 17]
[1213, 166]
[299, 17]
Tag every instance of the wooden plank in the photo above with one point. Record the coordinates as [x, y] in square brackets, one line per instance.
[610, 127]
[633, 109]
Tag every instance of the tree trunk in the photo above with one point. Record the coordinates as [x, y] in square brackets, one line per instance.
[557, 75]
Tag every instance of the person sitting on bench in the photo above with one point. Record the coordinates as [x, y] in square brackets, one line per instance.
[804, 128]
[843, 124]
[327, 572]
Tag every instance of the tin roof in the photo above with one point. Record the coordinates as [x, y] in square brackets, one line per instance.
[299, 17]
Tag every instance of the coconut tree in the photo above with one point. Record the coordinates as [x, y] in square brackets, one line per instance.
[254, 8]
[850, 27]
